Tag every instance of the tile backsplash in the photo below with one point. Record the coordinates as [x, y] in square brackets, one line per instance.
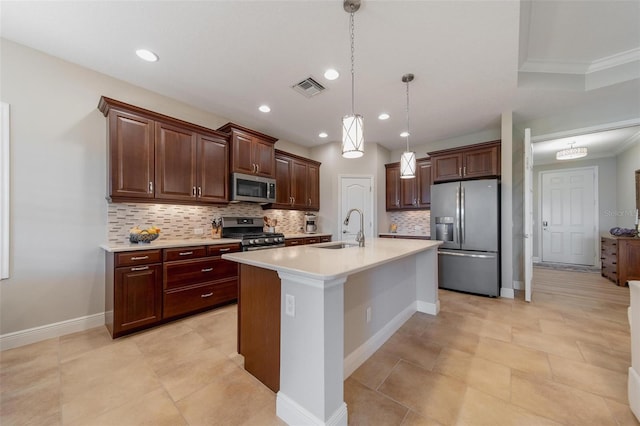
[179, 221]
[411, 222]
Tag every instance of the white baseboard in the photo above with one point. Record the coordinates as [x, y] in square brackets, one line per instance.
[49, 331]
[428, 308]
[294, 414]
[634, 392]
[535, 259]
[518, 285]
[356, 358]
[507, 293]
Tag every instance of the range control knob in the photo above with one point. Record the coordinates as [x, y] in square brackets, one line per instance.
[252, 241]
[267, 240]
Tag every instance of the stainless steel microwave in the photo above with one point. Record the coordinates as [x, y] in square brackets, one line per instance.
[251, 188]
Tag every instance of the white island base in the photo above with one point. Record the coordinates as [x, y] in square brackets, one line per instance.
[337, 307]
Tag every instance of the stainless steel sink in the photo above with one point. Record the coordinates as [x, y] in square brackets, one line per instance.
[338, 246]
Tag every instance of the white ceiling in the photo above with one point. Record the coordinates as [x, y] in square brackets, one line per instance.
[472, 60]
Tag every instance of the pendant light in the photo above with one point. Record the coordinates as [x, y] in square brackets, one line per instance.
[408, 158]
[352, 138]
[571, 153]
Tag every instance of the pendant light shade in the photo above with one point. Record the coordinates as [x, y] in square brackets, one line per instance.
[571, 153]
[352, 135]
[352, 139]
[408, 158]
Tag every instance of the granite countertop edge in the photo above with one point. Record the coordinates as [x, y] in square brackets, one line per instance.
[159, 244]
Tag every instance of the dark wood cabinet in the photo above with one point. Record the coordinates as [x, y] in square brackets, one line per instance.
[299, 241]
[294, 242]
[408, 194]
[156, 158]
[251, 152]
[133, 291]
[297, 182]
[467, 162]
[620, 258]
[148, 287]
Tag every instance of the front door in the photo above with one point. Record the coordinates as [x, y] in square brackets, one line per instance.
[356, 193]
[568, 216]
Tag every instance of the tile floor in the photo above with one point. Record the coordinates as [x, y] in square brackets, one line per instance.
[557, 361]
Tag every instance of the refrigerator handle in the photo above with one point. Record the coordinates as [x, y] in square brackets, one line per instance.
[456, 232]
[462, 235]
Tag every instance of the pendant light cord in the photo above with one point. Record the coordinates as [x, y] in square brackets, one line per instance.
[408, 132]
[353, 31]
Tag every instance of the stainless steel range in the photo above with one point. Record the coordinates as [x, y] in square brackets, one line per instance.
[250, 231]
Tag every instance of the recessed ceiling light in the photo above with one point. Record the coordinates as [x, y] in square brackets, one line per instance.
[404, 134]
[323, 135]
[264, 108]
[383, 116]
[331, 74]
[147, 55]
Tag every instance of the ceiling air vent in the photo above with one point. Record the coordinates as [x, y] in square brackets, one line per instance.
[308, 87]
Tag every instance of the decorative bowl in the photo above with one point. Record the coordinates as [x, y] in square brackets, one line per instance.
[142, 238]
[623, 232]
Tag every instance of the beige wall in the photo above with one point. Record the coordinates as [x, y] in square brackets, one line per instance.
[627, 163]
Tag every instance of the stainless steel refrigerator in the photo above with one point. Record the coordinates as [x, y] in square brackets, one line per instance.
[466, 216]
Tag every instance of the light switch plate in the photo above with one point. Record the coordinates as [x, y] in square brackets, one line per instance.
[290, 305]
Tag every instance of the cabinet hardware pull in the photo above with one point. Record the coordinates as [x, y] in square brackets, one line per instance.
[464, 170]
[309, 201]
[140, 268]
[224, 249]
[257, 168]
[140, 258]
[193, 191]
[199, 191]
[459, 171]
[207, 269]
[206, 295]
[150, 187]
[185, 253]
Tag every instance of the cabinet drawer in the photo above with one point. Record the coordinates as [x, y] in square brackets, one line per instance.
[312, 240]
[189, 272]
[294, 242]
[220, 249]
[325, 239]
[184, 253]
[131, 258]
[189, 299]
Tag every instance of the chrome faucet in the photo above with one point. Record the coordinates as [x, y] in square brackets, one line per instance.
[360, 234]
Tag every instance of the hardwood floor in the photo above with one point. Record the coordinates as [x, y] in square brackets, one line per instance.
[560, 360]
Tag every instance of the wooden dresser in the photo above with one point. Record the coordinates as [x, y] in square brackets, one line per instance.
[620, 258]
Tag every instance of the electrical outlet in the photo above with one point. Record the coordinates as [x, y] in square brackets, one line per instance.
[198, 231]
[290, 305]
[368, 314]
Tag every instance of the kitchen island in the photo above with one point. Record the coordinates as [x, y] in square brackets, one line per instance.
[334, 307]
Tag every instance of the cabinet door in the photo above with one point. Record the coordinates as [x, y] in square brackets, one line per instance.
[213, 169]
[424, 184]
[283, 180]
[264, 158]
[241, 153]
[446, 167]
[409, 193]
[299, 184]
[481, 162]
[137, 297]
[131, 155]
[175, 163]
[393, 187]
[313, 187]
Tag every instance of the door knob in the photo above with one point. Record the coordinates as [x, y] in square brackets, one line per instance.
[344, 232]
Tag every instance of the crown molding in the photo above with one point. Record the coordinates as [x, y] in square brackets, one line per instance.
[583, 68]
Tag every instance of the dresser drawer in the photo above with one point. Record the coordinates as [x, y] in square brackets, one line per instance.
[220, 249]
[142, 257]
[193, 298]
[184, 253]
[189, 272]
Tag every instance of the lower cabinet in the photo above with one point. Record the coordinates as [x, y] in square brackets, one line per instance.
[620, 259]
[299, 241]
[145, 288]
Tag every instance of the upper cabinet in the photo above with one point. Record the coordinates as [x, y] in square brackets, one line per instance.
[409, 194]
[467, 162]
[153, 157]
[297, 182]
[251, 152]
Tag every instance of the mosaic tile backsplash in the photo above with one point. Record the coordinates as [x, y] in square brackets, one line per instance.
[179, 221]
[411, 222]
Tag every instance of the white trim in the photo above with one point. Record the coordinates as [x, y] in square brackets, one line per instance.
[50, 331]
[356, 358]
[5, 187]
[536, 259]
[428, 307]
[615, 60]
[596, 203]
[294, 414]
[518, 285]
[585, 130]
[507, 293]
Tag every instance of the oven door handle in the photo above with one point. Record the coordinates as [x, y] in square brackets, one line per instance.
[262, 247]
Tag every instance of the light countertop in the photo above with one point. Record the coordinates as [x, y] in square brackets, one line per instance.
[166, 243]
[303, 235]
[406, 234]
[313, 261]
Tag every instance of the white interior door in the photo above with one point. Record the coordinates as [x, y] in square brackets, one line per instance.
[528, 214]
[356, 193]
[568, 216]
